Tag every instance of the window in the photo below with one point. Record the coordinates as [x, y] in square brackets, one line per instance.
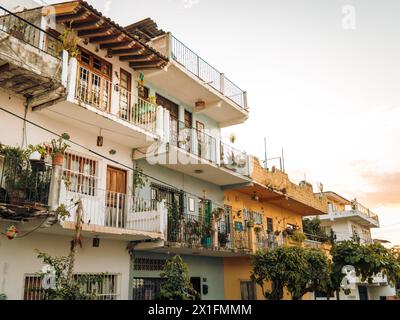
[257, 218]
[105, 289]
[270, 225]
[171, 196]
[191, 204]
[146, 288]
[147, 264]
[95, 63]
[247, 290]
[80, 174]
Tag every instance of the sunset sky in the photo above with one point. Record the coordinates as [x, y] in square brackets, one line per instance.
[324, 88]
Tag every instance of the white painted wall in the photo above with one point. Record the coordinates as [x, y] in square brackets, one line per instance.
[18, 257]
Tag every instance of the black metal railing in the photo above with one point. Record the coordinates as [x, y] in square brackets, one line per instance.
[234, 159]
[193, 141]
[27, 32]
[195, 230]
[24, 183]
[210, 75]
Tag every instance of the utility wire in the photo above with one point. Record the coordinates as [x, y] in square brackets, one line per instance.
[109, 159]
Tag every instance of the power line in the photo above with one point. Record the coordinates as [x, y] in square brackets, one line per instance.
[109, 159]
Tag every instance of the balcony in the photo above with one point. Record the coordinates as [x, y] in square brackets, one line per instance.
[95, 102]
[123, 216]
[354, 211]
[198, 154]
[195, 234]
[194, 78]
[31, 62]
[24, 188]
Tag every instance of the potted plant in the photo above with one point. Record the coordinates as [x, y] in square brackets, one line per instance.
[58, 148]
[70, 42]
[298, 236]
[37, 154]
[250, 224]
[207, 235]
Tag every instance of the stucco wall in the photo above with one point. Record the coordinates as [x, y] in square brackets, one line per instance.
[17, 257]
[210, 269]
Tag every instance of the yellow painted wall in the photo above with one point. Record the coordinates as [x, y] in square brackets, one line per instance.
[238, 201]
[239, 269]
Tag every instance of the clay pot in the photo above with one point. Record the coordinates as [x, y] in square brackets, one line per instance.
[58, 159]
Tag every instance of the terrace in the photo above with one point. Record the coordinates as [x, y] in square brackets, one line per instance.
[31, 62]
[194, 79]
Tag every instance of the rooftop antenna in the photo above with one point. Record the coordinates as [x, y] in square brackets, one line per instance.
[265, 153]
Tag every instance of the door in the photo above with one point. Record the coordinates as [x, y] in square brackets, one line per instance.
[186, 139]
[115, 198]
[94, 80]
[173, 109]
[201, 139]
[125, 98]
[196, 283]
[363, 292]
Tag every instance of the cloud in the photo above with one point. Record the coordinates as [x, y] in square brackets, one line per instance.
[385, 187]
[190, 3]
[107, 7]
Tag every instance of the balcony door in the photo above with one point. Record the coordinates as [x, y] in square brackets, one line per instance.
[201, 139]
[116, 197]
[125, 98]
[185, 137]
[173, 109]
[94, 80]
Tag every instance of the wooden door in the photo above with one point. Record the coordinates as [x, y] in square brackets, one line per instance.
[187, 132]
[125, 83]
[201, 143]
[116, 197]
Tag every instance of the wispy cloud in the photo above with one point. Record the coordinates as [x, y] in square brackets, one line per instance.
[384, 186]
[190, 3]
[107, 7]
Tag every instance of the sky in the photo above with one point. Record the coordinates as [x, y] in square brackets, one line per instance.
[323, 83]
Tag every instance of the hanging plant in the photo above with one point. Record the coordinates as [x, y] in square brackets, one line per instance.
[70, 42]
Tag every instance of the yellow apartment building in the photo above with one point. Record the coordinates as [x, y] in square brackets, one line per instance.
[261, 213]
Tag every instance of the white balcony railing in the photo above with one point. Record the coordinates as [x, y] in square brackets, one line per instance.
[96, 90]
[136, 110]
[116, 210]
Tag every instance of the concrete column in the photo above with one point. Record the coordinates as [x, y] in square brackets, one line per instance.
[55, 187]
[72, 79]
[169, 45]
[245, 100]
[252, 236]
[222, 83]
[65, 69]
[160, 122]
[166, 126]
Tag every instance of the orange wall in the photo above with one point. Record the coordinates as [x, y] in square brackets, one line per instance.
[239, 201]
[239, 269]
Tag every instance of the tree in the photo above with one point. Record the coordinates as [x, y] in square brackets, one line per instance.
[176, 283]
[313, 230]
[68, 286]
[367, 259]
[300, 270]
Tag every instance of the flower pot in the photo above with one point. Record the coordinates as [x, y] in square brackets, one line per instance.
[58, 159]
[207, 241]
[38, 165]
